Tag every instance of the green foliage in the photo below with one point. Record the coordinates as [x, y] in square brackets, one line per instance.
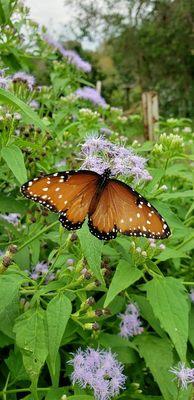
[60, 290]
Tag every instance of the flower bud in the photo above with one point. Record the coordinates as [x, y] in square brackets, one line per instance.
[12, 248]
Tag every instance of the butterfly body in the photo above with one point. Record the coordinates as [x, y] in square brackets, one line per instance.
[110, 205]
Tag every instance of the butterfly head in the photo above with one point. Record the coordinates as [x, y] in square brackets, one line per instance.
[106, 173]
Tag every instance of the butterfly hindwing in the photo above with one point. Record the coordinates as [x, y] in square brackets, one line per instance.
[122, 209]
[67, 193]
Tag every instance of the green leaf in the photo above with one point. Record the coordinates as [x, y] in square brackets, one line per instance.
[11, 205]
[92, 250]
[124, 276]
[15, 161]
[177, 195]
[15, 365]
[57, 315]
[169, 302]
[9, 98]
[9, 289]
[191, 325]
[158, 356]
[147, 313]
[31, 338]
[55, 394]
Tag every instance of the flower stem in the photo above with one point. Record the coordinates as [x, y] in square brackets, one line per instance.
[30, 240]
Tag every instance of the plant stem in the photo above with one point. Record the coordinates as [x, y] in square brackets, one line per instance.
[10, 391]
[37, 235]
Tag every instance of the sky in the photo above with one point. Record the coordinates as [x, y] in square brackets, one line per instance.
[55, 16]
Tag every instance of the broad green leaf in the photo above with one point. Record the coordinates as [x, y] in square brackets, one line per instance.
[158, 356]
[124, 276]
[8, 317]
[147, 313]
[191, 325]
[55, 376]
[92, 250]
[9, 288]
[56, 394]
[31, 338]
[169, 253]
[57, 315]
[4, 339]
[11, 205]
[16, 367]
[9, 98]
[15, 161]
[169, 302]
[108, 340]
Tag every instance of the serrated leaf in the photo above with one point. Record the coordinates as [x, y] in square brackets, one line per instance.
[31, 338]
[15, 161]
[158, 356]
[92, 250]
[57, 315]
[169, 302]
[124, 276]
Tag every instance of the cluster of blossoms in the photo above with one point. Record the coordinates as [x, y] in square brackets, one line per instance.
[12, 218]
[130, 323]
[168, 143]
[88, 93]
[99, 154]
[71, 55]
[40, 270]
[100, 370]
[20, 76]
[183, 374]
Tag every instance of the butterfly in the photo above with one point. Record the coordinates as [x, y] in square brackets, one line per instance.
[111, 206]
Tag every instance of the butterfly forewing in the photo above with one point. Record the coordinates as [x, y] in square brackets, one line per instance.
[68, 193]
[121, 209]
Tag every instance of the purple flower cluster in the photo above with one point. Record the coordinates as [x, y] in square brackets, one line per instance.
[98, 154]
[40, 270]
[100, 370]
[12, 218]
[130, 323]
[88, 93]
[28, 79]
[183, 374]
[70, 55]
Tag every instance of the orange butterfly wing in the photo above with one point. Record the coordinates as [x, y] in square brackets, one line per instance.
[122, 209]
[68, 193]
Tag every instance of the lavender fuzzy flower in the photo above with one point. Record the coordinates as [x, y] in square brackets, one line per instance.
[40, 270]
[183, 374]
[130, 323]
[88, 93]
[34, 104]
[100, 370]
[12, 218]
[98, 154]
[21, 76]
[71, 55]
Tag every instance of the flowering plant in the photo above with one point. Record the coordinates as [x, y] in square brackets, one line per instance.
[81, 319]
